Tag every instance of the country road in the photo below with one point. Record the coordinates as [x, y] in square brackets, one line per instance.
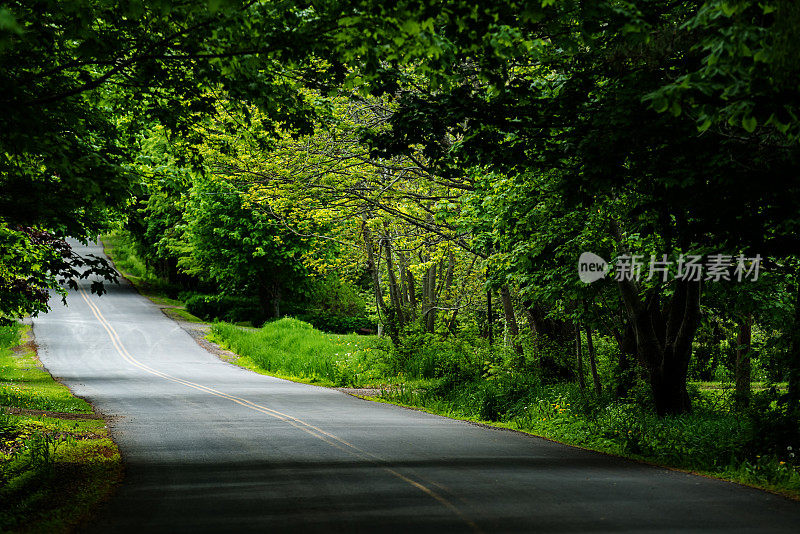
[210, 447]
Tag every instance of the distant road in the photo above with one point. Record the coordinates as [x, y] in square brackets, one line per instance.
[211, 447]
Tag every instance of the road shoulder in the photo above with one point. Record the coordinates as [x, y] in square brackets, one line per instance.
[58, 461]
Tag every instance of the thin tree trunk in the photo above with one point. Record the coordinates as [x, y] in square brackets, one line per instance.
[579, 356]
[598, 388]
[265, 298]
[489, 317]
[430, 299]
[466, 276]
[412, 292]
[276, 300]
[402, 268]
[511, 317]
[743, 368]
[448, 279]
[394, 290]
[373, 270]
[794, 353]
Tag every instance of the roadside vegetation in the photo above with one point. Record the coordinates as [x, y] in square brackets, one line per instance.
[57, 461]
[293, 349]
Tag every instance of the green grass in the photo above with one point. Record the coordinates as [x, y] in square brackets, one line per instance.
[54, 468]
[293, 349]
[181, 314]
[23, 384]
[754, 386]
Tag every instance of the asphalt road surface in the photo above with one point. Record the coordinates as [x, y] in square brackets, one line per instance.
[211, 447]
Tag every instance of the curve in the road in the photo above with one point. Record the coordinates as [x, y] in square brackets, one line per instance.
[318, 433]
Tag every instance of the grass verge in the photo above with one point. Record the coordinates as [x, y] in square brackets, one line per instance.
[292, 349]
[57, 461]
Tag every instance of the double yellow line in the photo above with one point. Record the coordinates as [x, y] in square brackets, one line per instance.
[310, 429]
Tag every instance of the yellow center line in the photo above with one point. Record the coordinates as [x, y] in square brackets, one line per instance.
[310, 429]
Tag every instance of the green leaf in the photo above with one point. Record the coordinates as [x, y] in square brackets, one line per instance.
[749, 124]
[8, 22]
[213, 5]
[411, 27]
[660, 104]
[729, 9]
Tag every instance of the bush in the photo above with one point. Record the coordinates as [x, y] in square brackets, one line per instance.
[335, 297]
[10, 334]
[184, 296]
[225, 308]
[338, 324]
[424, 355]
[775, 428]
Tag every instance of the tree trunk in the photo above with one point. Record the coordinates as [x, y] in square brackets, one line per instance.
[372, 268]
[265, 297]
[430, 299]
[559, 332]
[794, 353]
[466, 276]
[276, 300]
[489, 317]
[402, 269]
[511, 317]
[669, 391]
[394, 290]
[743, 367]
[448, 279]
[412, 292]
[579, 356]
[598, 388]
[664, 340]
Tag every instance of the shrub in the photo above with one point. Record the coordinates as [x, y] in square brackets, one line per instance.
[338, 324]
[334, 297]
[775, 428]
[424, 355]
[225, 308]
[292, 347]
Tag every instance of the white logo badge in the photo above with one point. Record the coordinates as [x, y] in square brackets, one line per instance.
[591, 267]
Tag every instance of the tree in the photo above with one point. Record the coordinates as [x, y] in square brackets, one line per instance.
[241, 248]
[34, 263]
